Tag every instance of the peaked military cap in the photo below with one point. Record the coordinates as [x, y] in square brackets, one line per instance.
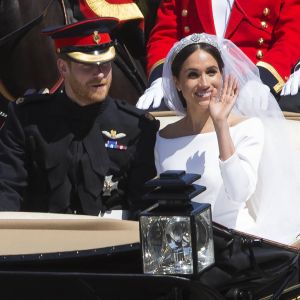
[86, 41]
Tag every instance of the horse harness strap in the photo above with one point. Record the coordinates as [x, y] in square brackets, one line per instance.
[125, 61]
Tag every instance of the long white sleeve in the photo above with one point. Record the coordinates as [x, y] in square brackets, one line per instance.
[239, 172]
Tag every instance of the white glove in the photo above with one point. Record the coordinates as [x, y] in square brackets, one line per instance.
[291, 87]
[153, 94]
[254, 96]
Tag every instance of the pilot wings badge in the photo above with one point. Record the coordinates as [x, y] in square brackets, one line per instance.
[112, 142]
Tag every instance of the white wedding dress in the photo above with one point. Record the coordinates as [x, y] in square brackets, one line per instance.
[229, 183]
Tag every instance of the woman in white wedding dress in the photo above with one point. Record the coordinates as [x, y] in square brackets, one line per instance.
[239, 148]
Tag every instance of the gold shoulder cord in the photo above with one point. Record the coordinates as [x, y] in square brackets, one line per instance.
[277, 87]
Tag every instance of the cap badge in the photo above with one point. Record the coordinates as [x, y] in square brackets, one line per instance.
[96, 37]
[109, 185]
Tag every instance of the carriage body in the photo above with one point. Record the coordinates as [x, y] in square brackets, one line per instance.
[46, 256]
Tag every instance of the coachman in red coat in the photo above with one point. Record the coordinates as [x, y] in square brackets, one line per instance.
[268, 32]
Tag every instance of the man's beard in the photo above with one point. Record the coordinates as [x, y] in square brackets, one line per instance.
[85, 94]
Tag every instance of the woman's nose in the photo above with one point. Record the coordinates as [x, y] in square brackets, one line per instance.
[203, 81]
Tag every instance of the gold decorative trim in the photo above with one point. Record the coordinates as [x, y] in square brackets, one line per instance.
[159, 62]
[124, 12]
[92, 58]
[278, 86]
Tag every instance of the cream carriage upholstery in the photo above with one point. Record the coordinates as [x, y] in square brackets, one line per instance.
[24, 233]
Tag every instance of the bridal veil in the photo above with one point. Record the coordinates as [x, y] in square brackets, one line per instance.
[275, 205]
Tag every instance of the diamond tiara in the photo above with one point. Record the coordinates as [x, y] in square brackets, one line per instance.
[194, 38]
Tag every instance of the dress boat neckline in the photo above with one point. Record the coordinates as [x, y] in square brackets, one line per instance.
[205, 133]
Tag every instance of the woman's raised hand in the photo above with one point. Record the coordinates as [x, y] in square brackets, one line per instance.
[222, 103]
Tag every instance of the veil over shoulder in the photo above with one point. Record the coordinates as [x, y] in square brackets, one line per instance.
[275, 204]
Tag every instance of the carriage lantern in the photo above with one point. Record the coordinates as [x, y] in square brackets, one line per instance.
[176, 233]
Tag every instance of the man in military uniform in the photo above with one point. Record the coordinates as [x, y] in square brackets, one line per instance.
[78, 151]
[268, 32]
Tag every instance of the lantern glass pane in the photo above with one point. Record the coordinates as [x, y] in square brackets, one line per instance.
[166, 242]
[204, 240]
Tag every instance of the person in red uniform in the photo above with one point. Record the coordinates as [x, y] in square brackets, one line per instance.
[268, 32]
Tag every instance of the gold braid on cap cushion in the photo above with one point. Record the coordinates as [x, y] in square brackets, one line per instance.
[194, 38]
[124, 12]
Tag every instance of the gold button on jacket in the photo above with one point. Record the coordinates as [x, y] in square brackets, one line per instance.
[184, 12]
[260, 41]
[186, 29]
[259, 54]
[264, 24]
[266, 11]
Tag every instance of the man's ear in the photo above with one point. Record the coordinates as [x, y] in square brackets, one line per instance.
[62, 66]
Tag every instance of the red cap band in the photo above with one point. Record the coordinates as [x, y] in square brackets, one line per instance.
[94, 39]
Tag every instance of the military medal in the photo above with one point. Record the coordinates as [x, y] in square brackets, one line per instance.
[109, 185]
[112, 143]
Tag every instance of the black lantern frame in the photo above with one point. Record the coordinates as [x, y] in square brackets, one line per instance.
[173, 192]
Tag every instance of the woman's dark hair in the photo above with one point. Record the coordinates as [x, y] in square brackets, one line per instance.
[188, 50]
